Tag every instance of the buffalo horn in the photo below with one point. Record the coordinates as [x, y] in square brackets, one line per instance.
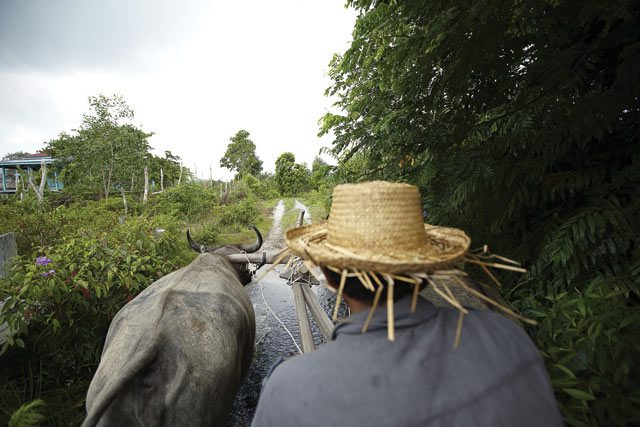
[198, 247]
[249, 248]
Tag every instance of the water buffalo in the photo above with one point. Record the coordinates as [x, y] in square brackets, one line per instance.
[176, 354]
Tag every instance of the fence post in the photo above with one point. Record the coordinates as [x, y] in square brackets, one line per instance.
[8, 250]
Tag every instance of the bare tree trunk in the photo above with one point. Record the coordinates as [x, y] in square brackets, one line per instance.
[180, 176]
[108, 188]
[105, 185]
[33, 187]
[124, 200]
[145, 195]
[18, 184]
[161, 180]
[39, 191]
[30, 181]
[43, 179]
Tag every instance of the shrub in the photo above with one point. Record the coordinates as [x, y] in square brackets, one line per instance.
[40, 224]
[191, 201]
[60, 299]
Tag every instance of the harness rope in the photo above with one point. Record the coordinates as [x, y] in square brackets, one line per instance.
[260, 285]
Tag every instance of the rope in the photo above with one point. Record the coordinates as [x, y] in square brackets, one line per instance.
[272, 312]
[278, 319]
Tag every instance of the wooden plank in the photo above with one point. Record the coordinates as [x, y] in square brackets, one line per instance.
[303, 319]
[322, 320]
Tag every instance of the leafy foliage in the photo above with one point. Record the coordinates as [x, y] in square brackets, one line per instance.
[45, 224]
[28, 415]
[320, 173]
[108, 153]
[15, 155]
[240, 156]
[60, 299]
[169, 168]
[104, 152]
[519, 121]
[189, 202]
[292, 178]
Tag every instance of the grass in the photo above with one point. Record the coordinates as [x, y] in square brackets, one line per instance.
[317, 204]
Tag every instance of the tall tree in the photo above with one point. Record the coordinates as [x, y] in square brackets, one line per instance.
[240, 156]
[291, 178]
[167, 166]
[105, 151]
[520, 121]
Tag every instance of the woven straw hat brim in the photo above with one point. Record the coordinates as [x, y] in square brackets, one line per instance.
[445, 247]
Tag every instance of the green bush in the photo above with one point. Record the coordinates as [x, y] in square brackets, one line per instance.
[519, 122]
[190, 202]
[242, 214]
[262, 188]
[60, 299]
[588, 339]
[41, 224]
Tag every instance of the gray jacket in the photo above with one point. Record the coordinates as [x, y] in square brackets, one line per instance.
[495, 378]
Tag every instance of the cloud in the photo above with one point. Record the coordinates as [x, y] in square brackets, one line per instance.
[195, 72]
[90, 34]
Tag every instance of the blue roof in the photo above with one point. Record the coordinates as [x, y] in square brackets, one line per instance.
[27, 161]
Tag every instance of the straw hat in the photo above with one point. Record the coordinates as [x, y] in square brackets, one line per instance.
[377, 226]
[375, 231]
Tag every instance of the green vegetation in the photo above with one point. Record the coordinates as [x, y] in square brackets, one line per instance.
[292, 178]
[519, 122]
[88, 250]
[241, 157]
[107, 153]
[80, 262]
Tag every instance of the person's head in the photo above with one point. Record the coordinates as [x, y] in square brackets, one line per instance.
[375, 243]
[355, 290]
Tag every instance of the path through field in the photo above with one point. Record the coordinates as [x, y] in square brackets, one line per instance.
[273, 341]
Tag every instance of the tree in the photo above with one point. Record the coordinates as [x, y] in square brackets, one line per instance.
[166, 168]
[291, 178]
[240, 156]
[15, 155]
[320, 171]
[519, 121]
[105, 152]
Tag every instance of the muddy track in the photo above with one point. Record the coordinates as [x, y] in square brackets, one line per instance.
[275, 238]
[274, 241]
[272, 341]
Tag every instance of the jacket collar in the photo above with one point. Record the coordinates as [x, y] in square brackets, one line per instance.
[403, 317]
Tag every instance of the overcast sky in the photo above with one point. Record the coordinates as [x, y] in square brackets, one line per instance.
[194, 71]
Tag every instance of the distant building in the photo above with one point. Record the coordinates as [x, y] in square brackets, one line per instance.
[18, 170]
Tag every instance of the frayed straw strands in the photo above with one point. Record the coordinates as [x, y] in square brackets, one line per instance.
[375, 232]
